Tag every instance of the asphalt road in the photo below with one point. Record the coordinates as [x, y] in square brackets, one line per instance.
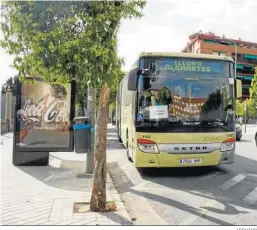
[223, 195]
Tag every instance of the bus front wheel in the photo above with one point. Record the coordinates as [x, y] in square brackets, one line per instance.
[127, 149]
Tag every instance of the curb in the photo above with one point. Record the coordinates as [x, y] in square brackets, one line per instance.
[115, 196]
[58, 162]
[136, 204]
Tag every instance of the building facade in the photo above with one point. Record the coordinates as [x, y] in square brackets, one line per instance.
[209, 43]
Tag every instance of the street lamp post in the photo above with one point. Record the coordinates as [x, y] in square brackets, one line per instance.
[235, 56]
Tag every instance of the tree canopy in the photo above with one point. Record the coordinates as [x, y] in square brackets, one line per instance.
[239, 108]
[62, 41]
[10, 84]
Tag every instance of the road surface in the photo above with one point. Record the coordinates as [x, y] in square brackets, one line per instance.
[223, 195]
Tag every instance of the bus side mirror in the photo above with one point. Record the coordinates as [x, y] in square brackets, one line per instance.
[238, 89]
[133, 78]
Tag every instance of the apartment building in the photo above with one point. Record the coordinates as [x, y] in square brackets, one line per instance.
[209, 43]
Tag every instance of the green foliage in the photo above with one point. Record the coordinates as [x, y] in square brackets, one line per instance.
[239, 108]
[252, 102]
[67, 40]
[253, 90]
[115, 86]
[250, 108]
[10, 84]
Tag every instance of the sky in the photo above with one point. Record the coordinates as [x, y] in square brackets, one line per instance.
[166, 25]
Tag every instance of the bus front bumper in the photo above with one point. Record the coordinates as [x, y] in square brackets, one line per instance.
[164, 159]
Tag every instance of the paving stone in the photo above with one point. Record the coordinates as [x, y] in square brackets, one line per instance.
[28, 198]
[35, 219]
[12, 221]
[38, 222]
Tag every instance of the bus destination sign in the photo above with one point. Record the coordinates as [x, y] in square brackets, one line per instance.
[190, 66]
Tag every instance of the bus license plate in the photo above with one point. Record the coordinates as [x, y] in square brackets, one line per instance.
[191, 161]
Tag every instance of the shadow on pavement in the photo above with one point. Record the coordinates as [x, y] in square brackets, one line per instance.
[117, 218]
[169, 178]
[114, 145]
[125, 186]
[61, 178]
[243, 140]
[66, 178]
[194, 183]
[148, 173]
[112, 131]
[229, 210]
[112, 135]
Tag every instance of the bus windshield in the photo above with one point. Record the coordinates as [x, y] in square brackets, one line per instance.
[185, 96]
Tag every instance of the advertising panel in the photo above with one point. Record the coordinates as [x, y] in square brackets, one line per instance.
[44, 114]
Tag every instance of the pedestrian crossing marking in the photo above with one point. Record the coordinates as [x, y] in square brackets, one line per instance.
[251, 198]
[207, 177]
[232, 182]
[253, 175]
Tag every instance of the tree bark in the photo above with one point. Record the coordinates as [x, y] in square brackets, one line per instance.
[98, 195]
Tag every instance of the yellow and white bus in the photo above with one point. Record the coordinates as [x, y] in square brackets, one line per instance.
[178, 110]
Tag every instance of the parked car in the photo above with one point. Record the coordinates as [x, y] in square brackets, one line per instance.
[238, 132]
[256, 136]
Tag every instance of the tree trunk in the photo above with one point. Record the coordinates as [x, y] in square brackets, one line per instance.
[98, 196]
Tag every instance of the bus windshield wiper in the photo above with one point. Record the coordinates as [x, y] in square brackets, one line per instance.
[190, 122]
[154, 122]
[216, 123]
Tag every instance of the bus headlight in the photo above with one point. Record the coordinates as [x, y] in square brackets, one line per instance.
[228, 144]
[147, 146]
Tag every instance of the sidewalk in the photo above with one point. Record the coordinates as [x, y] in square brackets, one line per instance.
[250, 129]
[32, 195]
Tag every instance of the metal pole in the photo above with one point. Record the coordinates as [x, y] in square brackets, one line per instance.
[235, 55]
[91, 113]
[235, 58]
[245, 108]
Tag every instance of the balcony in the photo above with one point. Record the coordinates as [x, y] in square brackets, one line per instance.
[247, 77]
[246, 61]
[241, 70]
[244, 86]
[246, 92]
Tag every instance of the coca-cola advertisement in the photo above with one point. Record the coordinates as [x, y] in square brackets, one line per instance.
[44, 116]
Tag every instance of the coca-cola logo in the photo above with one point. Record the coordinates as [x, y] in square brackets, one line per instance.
[55, 112]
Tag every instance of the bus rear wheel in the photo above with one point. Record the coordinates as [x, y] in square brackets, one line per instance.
[118, 133]
[127, 149]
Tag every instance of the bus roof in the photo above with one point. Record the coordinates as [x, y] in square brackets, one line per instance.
[185, 55]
